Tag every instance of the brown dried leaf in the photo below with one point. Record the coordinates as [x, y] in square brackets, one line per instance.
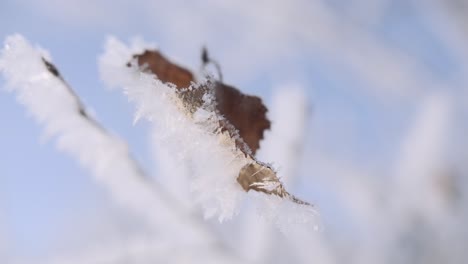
[261, 178]
[165, 70]
[245, 112]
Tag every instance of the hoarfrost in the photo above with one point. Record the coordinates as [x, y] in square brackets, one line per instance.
[188, 125]
[212, 163]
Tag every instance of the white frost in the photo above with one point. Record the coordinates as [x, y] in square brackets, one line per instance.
[212, 158]
[212, 162]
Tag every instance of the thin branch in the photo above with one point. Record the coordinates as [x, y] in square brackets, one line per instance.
[206, 59]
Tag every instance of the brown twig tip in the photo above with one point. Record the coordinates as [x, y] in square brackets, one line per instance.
[80, 107]
[51, 68]
[204, 57]
[207, 60]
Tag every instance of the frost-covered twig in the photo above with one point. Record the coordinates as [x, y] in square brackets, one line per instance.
[41, 89]
[241, 117]
[191, 126]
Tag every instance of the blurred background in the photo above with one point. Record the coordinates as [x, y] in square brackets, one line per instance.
[381, 149]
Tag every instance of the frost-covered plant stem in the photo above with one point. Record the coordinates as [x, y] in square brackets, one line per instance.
[189, 125]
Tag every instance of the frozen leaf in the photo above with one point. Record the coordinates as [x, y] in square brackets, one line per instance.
[189, 124]
[166, 71]
[261, 178]
[241, 117]
[245, 112]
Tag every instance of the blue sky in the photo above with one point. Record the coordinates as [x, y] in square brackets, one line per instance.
[364, 77]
